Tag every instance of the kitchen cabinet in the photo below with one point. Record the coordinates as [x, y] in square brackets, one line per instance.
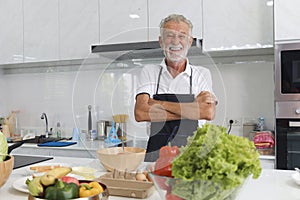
[267, 161]
[286, 20]
[78, 28]
[123, 21]
[158, 10]
[11, 34]
[41, 30]
[235, 24]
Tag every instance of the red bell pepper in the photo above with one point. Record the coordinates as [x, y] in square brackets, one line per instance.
[163, 165]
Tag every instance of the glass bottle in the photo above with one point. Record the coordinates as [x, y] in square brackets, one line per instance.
[58, 130]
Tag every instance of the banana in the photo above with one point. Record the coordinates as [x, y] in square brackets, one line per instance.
[50, 177]
[59, 172]
[35, 186]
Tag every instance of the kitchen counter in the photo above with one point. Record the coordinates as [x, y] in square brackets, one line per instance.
[271, 185]
[83, 149]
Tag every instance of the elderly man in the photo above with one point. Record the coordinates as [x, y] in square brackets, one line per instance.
[174, 95]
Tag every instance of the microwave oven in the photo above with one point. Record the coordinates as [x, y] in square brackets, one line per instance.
[287, 72]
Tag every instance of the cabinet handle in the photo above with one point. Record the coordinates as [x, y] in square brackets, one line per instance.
[294, 124]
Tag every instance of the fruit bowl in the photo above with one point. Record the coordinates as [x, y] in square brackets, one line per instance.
[5, 169]
[102, 196]
[115, 158]
[172, 188]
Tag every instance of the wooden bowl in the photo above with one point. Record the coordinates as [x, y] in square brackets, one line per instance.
[6, 168]
[114, 158]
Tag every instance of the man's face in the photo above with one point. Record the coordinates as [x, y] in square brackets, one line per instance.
[175, 41]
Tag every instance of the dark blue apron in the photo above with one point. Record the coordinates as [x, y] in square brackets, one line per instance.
[174, 131]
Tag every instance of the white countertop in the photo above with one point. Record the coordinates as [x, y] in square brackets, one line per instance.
[83, 149]
[91, 146]
[272, 184]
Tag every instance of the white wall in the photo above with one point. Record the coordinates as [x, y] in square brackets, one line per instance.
[245, 91]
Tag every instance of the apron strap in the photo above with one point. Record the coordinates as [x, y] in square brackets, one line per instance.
[191, 81]
[158, 80]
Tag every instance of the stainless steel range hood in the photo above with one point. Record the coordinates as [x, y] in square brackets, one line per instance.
[139, 50]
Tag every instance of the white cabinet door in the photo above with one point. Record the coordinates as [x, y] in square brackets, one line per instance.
[236, 24]
[191, 9]
[123, 21]
[11, 34]
[79, 28]
[267, 163]
[41, 41]
[286, 20]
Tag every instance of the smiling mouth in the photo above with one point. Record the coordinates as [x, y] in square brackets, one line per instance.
[175, 48]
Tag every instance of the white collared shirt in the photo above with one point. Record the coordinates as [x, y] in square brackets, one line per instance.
[147, 82]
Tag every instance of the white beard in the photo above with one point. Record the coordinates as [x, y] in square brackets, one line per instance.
[175, 53]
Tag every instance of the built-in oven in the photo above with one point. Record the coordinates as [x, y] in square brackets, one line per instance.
[288, 143]
[287, 105]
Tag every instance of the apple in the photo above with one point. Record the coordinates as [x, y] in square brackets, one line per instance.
[69, 179]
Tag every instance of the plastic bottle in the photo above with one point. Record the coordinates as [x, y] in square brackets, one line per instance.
[261, 124]
[58, 130]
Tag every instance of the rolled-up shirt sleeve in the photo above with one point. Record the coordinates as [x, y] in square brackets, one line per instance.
[146, 81]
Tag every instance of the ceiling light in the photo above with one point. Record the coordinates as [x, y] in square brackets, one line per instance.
[270, 3]
[134, 16]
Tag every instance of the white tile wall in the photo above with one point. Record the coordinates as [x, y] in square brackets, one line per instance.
[244, 90]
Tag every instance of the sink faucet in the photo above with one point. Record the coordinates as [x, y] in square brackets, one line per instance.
[44, 116]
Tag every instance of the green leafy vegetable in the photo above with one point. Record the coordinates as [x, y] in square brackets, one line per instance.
[212, 155]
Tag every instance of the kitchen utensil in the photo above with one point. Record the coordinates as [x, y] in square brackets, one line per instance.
[197, 189]
[121, 119]
[6, 168]
[86, 172]
[127, 187]
[90, 118]
[20, 185]
[112, 136]
[117, 158]
[102, 129]
[75, 134]
[22, 160]
[102, 196]
[296, 177]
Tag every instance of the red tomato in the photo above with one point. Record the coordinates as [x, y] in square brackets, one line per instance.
[170, 196]
[69, 179]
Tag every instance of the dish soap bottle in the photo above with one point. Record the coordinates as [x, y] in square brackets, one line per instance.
[58, 130]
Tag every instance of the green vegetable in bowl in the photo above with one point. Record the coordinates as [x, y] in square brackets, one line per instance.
[213, 155]
[62, 191]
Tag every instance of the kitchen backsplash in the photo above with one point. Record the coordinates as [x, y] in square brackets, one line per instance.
[244, 90]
